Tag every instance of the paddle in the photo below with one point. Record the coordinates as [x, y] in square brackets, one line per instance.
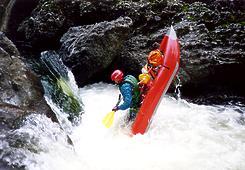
[109, 118]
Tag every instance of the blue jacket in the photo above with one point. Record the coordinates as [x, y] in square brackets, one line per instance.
[126, 90]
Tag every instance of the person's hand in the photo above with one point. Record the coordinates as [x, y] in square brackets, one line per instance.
[115, 108]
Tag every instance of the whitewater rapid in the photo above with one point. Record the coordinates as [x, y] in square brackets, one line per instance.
[182, 136]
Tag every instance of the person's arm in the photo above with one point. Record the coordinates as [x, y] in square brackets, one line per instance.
[126, 91]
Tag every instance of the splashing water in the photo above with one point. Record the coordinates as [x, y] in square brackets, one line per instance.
[182, 136]
[177, 87]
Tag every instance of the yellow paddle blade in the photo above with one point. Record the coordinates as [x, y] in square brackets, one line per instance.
[108, 119]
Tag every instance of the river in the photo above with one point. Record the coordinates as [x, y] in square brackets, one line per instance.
[182, 135]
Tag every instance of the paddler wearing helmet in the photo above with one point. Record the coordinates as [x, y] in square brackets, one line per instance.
[145, 83]
[129, 89]
[154, 63]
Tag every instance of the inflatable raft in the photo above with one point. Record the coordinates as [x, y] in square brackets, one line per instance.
[161, 83]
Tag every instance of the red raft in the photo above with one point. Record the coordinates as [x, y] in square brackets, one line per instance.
[161, 83]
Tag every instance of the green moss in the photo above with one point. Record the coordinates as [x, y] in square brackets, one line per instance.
[55, 81]
[66, 99]
[191, 18]
[242, 23]
[69, 101]
[65, 87]
[185, 8]
[51, 6]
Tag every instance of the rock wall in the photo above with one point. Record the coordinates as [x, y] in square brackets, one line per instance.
[211, 35]
[20, 90]
[12, 13]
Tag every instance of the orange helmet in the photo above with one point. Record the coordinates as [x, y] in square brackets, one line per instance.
[117, 76]
[155, 58]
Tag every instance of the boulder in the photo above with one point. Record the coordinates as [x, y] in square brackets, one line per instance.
[47, 23]
[20, 90]
[212, 51]
[59, 86]
[52, 18]
[12, 13]
[90, 49]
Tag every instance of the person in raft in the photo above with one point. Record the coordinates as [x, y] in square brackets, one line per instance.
[150, 71]
[129, 89]
[145, 84]
[154, 63]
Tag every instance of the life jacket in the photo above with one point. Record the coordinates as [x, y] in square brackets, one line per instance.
[135, 91]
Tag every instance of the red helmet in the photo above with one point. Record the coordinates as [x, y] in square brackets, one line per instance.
[117, 76]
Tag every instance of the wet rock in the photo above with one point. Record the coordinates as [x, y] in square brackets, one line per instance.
[136, 49]
[48, 22]
[52, 18]
[59, 87]
[211, 34]
[19, 148]
[7, 46]
[141, 12]
[12, 13]
[20, 89]
[3, 5]
[133, 56]
[90, 49]
[9, 114]
[4, 166]
[212, 49]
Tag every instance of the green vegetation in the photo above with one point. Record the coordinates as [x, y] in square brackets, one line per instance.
[242, 23]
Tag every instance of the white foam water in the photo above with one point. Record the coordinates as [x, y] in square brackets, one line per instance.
[182, 135]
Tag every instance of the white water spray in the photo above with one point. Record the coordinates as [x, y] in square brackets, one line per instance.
[182, 136]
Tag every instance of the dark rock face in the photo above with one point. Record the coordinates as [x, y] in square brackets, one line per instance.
[48, 22]
[4, 166]
[12, 13]
[133, 56]
[87, 50]
[20, 89]
[7, 46]
[141, 12]
[212, 48]
[21, 95]
[211, 35]
[52, 18]
[3, 4]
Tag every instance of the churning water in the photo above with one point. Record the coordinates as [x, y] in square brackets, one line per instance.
[182, 136]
